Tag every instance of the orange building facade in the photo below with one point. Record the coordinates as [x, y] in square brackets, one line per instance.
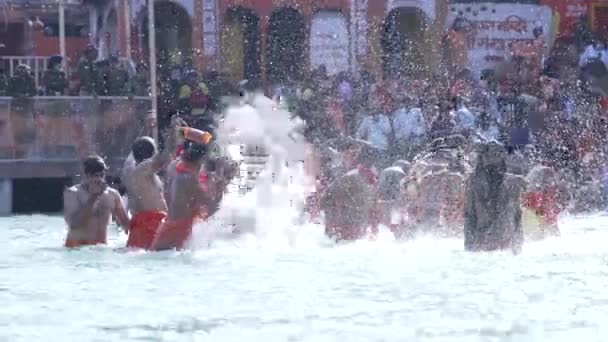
[273, 39]
[277, 39]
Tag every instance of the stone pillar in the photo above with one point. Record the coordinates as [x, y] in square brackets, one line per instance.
[197, 35]
[264, 52]
[437, 33]
[374, 48]
[92, 24]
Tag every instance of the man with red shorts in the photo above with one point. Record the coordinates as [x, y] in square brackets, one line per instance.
[190, 195]
[144, 187]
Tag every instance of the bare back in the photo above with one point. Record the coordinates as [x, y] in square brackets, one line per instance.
[183, 194]
[144, 188]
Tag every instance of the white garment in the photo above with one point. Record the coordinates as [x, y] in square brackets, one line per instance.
[592, 52]
[464, 118]
[345, 91]
[408, 124]
[491, 133]
[375, 130]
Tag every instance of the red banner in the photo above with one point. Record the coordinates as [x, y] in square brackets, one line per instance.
[569, 11]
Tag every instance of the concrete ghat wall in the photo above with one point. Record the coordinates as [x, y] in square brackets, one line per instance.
[6, 197]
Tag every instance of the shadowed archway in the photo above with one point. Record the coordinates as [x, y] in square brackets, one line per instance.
[403, 42]
[173, 31]
[286, 45]
[241, 44]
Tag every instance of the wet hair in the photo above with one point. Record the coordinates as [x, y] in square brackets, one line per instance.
[488, 148]
[194, 152]
[93, 164]
[366, 156]
[143, 148]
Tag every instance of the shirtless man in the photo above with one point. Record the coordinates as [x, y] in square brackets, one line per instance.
[144, 188]
[190, 195]
[89, 206]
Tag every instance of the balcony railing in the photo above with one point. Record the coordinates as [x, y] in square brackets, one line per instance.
[37, 65]
[69, 128]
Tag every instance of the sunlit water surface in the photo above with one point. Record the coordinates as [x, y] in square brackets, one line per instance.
[302, 289]
[283, 281]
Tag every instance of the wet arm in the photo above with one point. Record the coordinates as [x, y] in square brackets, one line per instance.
[163, 158]
[74, 213]
[212, 197]
[120, 212]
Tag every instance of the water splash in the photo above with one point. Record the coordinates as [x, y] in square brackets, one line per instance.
[271, 213]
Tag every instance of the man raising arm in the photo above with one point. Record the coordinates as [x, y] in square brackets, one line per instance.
[144, 187]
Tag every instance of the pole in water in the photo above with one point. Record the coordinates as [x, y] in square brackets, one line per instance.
[152, 56]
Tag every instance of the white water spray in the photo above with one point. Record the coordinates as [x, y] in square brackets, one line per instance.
[272, 211]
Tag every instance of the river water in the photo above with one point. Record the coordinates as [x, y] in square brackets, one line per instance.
[302, 289]
[281, 280]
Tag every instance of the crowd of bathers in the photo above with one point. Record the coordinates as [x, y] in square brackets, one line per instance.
[160, 212]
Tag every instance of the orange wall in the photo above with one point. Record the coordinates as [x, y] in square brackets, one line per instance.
[49, 46]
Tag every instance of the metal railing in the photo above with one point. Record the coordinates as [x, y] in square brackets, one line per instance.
[37, 65]
[49, 128]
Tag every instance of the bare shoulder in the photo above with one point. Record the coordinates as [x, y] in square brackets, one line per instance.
[146, 166]
[71, 193]
[112, 193]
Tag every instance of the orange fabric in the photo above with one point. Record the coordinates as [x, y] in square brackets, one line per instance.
[143, 228]
[545, 204]
[73, 243]
[172, 234]
[604, 104]
[335, 112]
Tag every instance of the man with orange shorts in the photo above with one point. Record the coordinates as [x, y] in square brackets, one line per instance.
[144, 187]
[89, 206]
[190, 195]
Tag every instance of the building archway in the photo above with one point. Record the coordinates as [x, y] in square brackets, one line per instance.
[404, 42]
[173, 29]
[286, 45]
[241, 44]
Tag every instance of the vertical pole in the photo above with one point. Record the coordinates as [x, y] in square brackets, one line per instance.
[62, 34]
[152, 56]
[127, 23]
[92, 24]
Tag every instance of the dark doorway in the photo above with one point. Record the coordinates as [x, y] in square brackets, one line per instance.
[173, 32]
[241, 45]
[286, 45]
[173, 29]
[403, 42]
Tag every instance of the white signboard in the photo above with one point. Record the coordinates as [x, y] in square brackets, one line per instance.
[496, 27]
[329, 42]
